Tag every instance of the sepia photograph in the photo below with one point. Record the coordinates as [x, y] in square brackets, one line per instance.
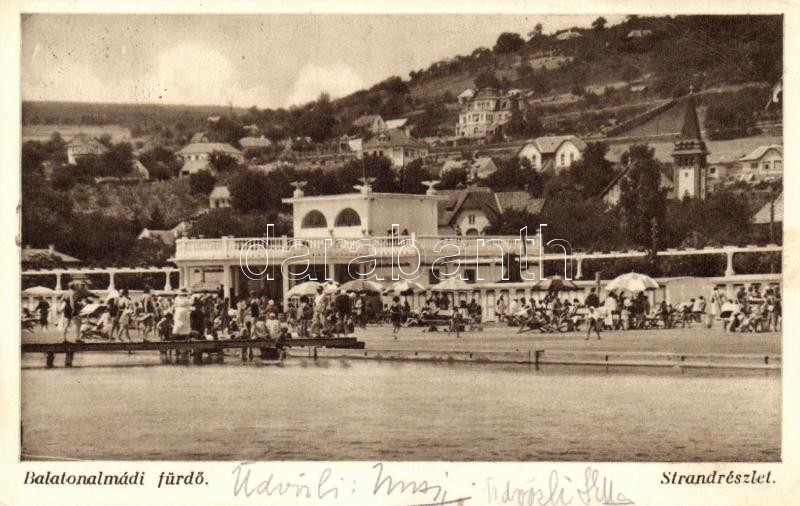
[389, 237]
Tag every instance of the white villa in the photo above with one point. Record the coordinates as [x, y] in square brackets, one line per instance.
[396, 146]
[762, 162]
[553, 153]
[196, 155]
[485, 112]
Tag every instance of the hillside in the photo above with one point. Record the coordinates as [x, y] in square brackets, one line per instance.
[581, 79]
[138, 202]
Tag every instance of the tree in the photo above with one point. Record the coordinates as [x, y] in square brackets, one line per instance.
[517, 125]
[117, 161]
[536, 32]
[33, 155]
[228, 221]
[317, 120]
[97, 238]
[486, 80]
[156, 219]
[514, 175]
[583, 222]
[511, 221]
[731, 117]
[599, 23]
[508, 42]
[592, 171]
[642, 200]
[150, 251]
[226, 130]
[249, 189]
[161, 163]
[223, 162]
[201, 182]
[45, 210]
[412, 176]
[434, 116]
[392, 84]
[374, 166]
[453, 178]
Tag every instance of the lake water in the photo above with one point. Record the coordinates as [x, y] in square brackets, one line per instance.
[362, 410]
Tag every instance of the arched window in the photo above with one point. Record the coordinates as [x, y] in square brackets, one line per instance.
[314, 219]
[472, 231]
[347, 218]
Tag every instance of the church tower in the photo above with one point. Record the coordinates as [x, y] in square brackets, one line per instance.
[689, 156]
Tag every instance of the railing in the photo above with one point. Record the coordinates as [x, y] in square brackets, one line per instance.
[485, 247]
[258, 248]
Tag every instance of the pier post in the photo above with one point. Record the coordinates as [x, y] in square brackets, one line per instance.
[167, 284]
[50, 359]
[58, 281]
[110, 280]
[579, 261]
[68, 358]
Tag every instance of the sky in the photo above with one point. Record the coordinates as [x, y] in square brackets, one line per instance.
[268, 61]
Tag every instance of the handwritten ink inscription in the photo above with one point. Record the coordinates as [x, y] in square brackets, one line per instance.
[380, 480]
[556, 490]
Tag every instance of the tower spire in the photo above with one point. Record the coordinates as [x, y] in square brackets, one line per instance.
[691, 125]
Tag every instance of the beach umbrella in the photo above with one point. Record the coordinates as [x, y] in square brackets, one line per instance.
[455, 284]
[632, 282]
[307, 288]
[205, 287]
[404, 287]
[38, 291]
[555, 284]
[361, 285]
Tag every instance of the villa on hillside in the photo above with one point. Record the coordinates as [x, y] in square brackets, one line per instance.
[763, 162]
[372, 122]
[196, 156]
[553, 153]
[486, 112]
[396, 146]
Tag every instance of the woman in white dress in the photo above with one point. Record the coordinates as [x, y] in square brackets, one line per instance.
[181, 326]
[609, 308]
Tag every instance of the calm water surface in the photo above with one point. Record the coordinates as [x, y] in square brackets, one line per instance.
[363, 410]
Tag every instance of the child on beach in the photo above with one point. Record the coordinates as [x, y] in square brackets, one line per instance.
[594, 322]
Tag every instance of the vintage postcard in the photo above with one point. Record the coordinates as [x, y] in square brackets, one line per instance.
[364, 254]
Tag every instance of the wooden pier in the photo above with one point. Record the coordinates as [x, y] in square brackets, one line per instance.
[194, 347]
